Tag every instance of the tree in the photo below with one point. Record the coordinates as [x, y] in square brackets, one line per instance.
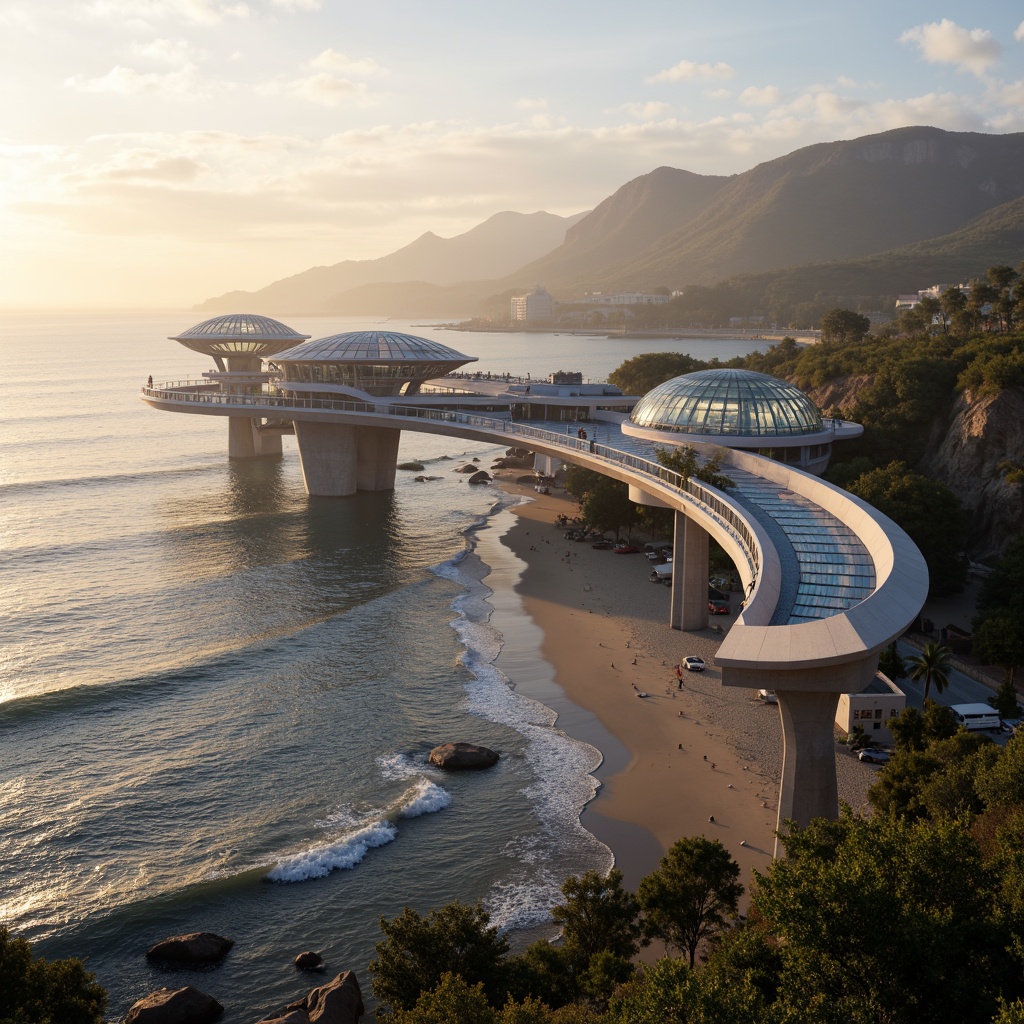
[417, 952]
[607, 506]
[692, 895]
[930, 513]
[890, 663]
[843, 326]
[686, 461]
[931, 665]
[452, 1001]
[884, 920]
[598, 915]
[640, 374]
[36, 991]
[999, 624]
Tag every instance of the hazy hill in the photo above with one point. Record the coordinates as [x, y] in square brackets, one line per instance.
[490, 250]
[831, 201]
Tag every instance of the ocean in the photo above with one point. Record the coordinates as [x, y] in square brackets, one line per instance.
[217, 695]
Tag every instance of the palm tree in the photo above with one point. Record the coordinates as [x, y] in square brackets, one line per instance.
[932, 666]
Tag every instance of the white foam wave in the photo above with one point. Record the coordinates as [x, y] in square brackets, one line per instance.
[339, 855]
[395, 767]
[524, 902]
[425, 797]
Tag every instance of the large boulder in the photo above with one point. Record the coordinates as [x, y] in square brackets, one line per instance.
[175, 1006]
[462, 757]
[309, 961]
[194, 948]
[483, 477]
[338, 1002]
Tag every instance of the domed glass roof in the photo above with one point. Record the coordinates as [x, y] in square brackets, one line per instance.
[728, 402]
[373, 347]
[244, 326]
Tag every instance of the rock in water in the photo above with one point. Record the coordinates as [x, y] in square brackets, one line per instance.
[338, 1002]
[194, 948]
[413, 467]
[175, 1006]
[483, 477]
[462, 756]
[309, 961]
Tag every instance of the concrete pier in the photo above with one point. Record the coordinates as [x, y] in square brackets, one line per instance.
[328, 453]
[689, 574]
[376, 458]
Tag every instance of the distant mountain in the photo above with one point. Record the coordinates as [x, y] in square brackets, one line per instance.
[832, 201]
[490, 250]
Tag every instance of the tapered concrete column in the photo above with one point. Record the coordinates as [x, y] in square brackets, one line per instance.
[689, 575]
[270, 442]
[376, 458]
[808, 787]
[243, 438]
[327, 452]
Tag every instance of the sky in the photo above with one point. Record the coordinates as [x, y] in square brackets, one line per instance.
[154, 153]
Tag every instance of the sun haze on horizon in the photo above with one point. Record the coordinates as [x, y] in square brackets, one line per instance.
[157, 152]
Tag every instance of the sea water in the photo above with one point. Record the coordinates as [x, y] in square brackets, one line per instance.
[217, 694]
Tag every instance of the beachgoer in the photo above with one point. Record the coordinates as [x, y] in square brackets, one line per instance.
[705, 756]
[711, 818]
[149, 383]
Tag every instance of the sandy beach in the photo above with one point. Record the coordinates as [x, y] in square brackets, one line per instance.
[695, 759]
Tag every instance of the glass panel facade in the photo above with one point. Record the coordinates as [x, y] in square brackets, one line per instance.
[728, 402]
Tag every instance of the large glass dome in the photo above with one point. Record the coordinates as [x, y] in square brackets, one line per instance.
[239, 334]
[374, 362]
[737, 403]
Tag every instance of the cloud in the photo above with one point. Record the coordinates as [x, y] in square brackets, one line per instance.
[1019, 33]
[183, 84]
[642, 111]
[526, 103]
[323, 89]
[198, 12]
[341, 63]
[293, 6]
[687, 70]
[945, 42]
[175, 52]
[763, 97]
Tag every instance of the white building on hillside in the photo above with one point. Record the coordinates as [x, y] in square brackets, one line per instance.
[535, 306]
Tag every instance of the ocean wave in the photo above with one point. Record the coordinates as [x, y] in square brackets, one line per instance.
[425, 797]
[339, 855]
[395, 767]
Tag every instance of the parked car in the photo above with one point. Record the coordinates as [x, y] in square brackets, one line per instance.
[768, 696]
[873, 755]
[603, 545]
[718, 607]
[625, 549]
[693, 664]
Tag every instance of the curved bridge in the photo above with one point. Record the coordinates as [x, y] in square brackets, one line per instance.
[830, 581]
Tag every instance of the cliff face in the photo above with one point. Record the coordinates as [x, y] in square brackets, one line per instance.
[970, 449]
[984, 438]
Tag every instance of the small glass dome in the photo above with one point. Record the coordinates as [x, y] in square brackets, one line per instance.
[239, 334]
[738, 403]
[373, 347]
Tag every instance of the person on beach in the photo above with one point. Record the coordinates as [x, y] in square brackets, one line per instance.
[679, 676]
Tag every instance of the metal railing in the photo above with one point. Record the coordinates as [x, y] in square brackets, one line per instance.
[708, 501]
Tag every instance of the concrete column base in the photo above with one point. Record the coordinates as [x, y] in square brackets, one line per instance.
[243, 438]
[808, 787]
[328, 454]
[270, 443]
[689, 574]
[376, 458]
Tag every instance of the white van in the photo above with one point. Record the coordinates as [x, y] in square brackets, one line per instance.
[975, 716]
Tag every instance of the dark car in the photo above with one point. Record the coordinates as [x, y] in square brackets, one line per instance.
[602, 545]
[718, 607]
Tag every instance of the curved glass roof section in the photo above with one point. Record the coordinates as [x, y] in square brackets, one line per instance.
[241, 326]
[730, 403]
[373, 347]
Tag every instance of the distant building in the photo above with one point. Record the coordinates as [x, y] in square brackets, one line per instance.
[872, 709]
[932, 292]
[622, 299]
[535, 306]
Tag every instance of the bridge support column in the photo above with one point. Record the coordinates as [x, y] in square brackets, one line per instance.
[689, 574]
[243, 438]
[270, 443]
[546, 465]
[808, 787]
[328, 454]
[376, 458]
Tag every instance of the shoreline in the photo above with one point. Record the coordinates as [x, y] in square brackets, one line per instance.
[700, 759]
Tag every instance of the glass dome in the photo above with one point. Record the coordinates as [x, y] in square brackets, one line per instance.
[374, 362]
[373, 347]
[239, 334]
[738, 403]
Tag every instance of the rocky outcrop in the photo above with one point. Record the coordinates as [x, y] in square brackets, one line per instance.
[175, 1006]
[483, 477]
[194, 948]
[462, 757]
[412, 467]
[338, 1002]
[977, 458]
[839, 394]
[309, 961]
